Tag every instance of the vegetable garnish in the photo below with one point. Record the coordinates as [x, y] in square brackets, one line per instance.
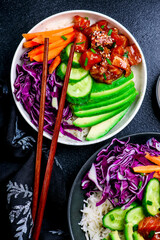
[63, 37]
[102, 26]
[104, 75]
[151, 234]
[93, 50]
[135, 227]
[112, 217]
[81, 28]
[109, 61]
[86, 62]
[149, 202]
[78, 43]
[86, 18]
[100, 48]
[110, 32]
[113, 45]
[147, 169]
[125, 54]
[140, 184]
[154, 159]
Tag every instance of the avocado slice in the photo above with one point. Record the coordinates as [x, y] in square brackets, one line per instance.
[114, 235]
[92, 104]
[103, 128]
[128, 231]
[100, 110]
[137, 236]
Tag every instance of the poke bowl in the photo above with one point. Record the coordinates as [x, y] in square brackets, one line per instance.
[77, 134]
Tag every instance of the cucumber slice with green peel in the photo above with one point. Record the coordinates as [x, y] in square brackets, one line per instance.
[128, 231]
[109, 108]
[78, 93]
[137, 236]
[77, 74]
[151, 199]
[114, 219]
[91, 121]
[114, 235]
[135, 215]
[100, 87]
[91, 104]
[106, 94]
[65, 56]
[103, 128]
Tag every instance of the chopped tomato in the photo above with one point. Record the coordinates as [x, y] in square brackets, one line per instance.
[121, 62]
[118, 50]
[147, 225]
[134, 55]
[80, 23]
[81, 42]
[98, 26]
[88, 59]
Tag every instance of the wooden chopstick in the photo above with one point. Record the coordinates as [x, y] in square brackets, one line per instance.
[47, 177]
[40, 131]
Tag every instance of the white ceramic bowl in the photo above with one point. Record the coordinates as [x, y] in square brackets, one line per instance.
[65, 19]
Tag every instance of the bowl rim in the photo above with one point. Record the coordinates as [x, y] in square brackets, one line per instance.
[108, 135]
[89, 162]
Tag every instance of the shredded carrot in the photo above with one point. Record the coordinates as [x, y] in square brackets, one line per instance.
[147, 169]
[54, 64]
[30, 44]
[156, 175]
[154, 159]
[51, 54]
[58, 43]
[29, 36]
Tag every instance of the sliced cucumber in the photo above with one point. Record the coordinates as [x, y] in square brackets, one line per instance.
[128, 231]
[91, 104]
[77, 74]
[151, 199]
[78, 93]
[100, 87]
[135, 215]
[106, 94]
[137, 236]
[114, 219]
[100, 110]
[65, 56]
[114, 235]
[103, 128]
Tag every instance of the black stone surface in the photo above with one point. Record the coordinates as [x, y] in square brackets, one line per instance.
[141, 18]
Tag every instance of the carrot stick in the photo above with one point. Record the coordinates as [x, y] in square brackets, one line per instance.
[156, 175]
[51, 54]
[52, 38]
[58, 43]
[30, 44]
[147, 169]
[29, 36]
[153, 159]
[54, 64]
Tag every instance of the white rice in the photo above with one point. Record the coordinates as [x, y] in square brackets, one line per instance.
[91, 222]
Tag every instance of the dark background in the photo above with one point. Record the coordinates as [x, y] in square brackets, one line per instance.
[141, 18]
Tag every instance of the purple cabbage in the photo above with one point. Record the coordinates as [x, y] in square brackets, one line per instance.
[113, 175]
[27, 90]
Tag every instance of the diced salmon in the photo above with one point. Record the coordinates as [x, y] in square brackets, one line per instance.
[149, 224]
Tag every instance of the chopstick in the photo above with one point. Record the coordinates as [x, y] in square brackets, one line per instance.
[40, 131]
[48, 172]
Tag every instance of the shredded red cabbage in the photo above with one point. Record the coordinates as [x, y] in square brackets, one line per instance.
[27, 90]
[113, 175]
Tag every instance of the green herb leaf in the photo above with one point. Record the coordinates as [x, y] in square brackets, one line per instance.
[112, 217]
[92, 50]
[86, 62]
[104, 75]
[140, 184]
[149, 202]
[125, 54]
[109, 32]
[102, 26]
[81, 28]
[86, 18]
[64, 38]
[135, 227]
[78, 43]
[100, 48]
[151, 234]
[142, 174]
[109, 61]
[113, 45]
